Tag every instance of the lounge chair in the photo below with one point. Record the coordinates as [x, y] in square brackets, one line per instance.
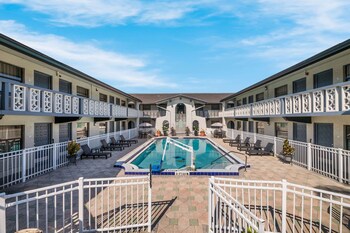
[250, 146]
[132, 141]
[267, 150]
[246, 141]
[116, 143]
[87, 152]
[229, 140]
[106, 146]
[245, 145]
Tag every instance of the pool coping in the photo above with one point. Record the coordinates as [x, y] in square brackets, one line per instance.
[230, 170]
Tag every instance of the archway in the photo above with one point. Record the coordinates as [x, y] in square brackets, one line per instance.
[230, 125]
[180, 117]
[195, 125]
[131, 125]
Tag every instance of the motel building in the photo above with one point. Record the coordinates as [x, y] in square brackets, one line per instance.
[45, 103]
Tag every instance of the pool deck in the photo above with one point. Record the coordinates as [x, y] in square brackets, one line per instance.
[185, 198]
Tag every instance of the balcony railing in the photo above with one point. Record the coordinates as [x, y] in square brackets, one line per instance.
[209, 113]
[19, 98]
[329, 99]
[151, 113]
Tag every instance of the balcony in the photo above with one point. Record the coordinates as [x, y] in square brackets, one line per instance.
[209, 113]
[151, 113]
[22, 99]
[329, 100]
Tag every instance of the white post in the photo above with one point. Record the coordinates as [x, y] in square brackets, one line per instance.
[129, 133]
[150, 204]
[254, 136]
[81, 203]
[88, 141]
[24, 166]
[2, 213]
[209, 205]
[261, 227]
[309, 162]
[340, 164]
[284, 206]
[232, 133]
[54, 156]
[274, 146]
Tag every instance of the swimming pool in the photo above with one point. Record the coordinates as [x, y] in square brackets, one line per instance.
[207, 156]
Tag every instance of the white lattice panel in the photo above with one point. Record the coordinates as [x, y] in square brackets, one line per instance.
[306, 103]
[288, 105]
[18, 98]
[47, 97]
[266, 108]
[332, 97]
[318, 104]
[67, 104]
[97, 108]
[105, 107]
[278, 106]
[91, 107]
[75, 105]
[34, 100]
[271, 107]
[58, 103]
[101, 109]
[297, 104]
[345, 95]
[85, 106]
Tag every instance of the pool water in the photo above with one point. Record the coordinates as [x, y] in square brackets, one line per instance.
[206, 155]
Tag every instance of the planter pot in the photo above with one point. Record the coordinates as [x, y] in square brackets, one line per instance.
[72, 159]
[165, 133]
[195, 133]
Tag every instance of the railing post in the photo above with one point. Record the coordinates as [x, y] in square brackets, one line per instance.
[88, 141]
[340, 164]
[24, 165]
[284, 206]
[150, 201]
[81, 203]
[309, 162]
[54, 164]
[254, 136]
[261, 227]
[129, 133]
[210, 199]
[2, 213]
[274, 146]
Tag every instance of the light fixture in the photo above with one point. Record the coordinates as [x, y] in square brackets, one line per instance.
[306, 73]
[266, 88]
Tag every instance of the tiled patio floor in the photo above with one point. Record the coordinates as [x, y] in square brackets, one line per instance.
[186, 196]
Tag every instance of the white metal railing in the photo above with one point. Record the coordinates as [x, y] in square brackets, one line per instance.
[84, 205]
[151, 113]
[328, 161]
[226, 214]
[288, 207]
[18, 166]
[333, 98]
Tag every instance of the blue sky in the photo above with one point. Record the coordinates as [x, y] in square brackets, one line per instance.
[177, 46]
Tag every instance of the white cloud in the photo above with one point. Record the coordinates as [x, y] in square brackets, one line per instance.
[114, 68]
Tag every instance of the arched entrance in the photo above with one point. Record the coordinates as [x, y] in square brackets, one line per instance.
[180, 118]
[131, 125]
[230, 125]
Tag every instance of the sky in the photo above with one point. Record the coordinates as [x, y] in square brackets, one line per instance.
[178, 46]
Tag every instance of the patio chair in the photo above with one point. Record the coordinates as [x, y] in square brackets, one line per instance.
[87, 152]
[116, 143]
[106, 146]
[132, 141]
[237, 143]
[244, 145]
[253, 146]
[267, 150]
[229, 140]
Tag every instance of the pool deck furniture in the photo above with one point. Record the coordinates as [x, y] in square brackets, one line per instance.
[246, 141]
[246, 145]
[229, 140]
[267, 150]
[110, 147]
[115, 142]
[286, 158]
[95, 152]
[132, 141]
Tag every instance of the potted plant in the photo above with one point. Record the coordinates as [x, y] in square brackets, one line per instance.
[187, 131]
[202, 133]
[72, 148]
[288, 151]
[195, 130]
[165, 130]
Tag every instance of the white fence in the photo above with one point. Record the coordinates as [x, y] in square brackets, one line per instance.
[328, 161]
[280, 205]
[17, 166]
[84, 205]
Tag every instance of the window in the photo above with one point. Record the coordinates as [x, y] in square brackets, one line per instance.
[251, 126]
[299, 132]
[82, 130]
[65, 86]
[244, 126]
[103, 97]
[250, 99]
[117, 101]
[260, 127]
[244, 100]
[131, 125]
[102, 128]
[111, 99]
[215, 107]
[230, 125]
[239, 125]
[299, 85]
[123, 125]
[123, 103]
[347, 137]
[42, 80]
[323, 134]
[11, 138]
[239, 102]
[324, 78]
[83, 92]
[65, 132]
[230, 104]
[282, 90]
[281, 129]
[259, 97]
[347, 73]
[11, 72]
[146, 107]
[111, 126]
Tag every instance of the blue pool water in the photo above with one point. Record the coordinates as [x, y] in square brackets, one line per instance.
[206, 155]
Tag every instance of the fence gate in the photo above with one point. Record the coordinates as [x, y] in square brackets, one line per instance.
[84, 205]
